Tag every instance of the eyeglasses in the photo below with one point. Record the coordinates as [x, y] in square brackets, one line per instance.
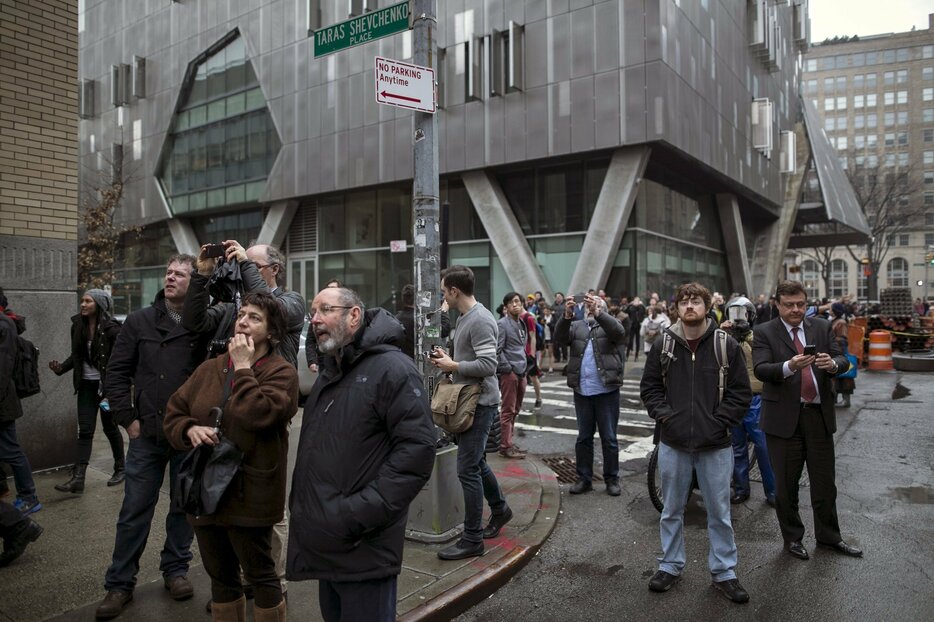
[325, 309]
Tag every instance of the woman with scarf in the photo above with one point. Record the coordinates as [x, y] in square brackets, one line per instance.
[93, 334]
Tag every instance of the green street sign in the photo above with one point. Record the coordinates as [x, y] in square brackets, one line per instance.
[362, 29]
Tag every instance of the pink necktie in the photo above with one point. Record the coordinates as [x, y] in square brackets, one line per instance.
[808, 390]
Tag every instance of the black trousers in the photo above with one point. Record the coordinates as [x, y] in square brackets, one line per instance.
[224, 550]
[88, 407]
[356, 601]
[811, 444]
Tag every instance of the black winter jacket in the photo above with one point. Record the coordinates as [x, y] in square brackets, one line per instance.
[154, 356]
[608, 336]
[10, 407]
[105, 336]
[367, 447]
[688, 412]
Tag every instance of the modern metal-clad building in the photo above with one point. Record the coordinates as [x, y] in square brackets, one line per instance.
[623, 144]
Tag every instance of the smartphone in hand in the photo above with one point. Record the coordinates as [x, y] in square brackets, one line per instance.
[810, 350]
[213, 250]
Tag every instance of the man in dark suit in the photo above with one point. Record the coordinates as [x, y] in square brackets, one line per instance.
[798, 415]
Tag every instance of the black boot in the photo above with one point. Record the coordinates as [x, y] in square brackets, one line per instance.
[119, 474]
[76, 483]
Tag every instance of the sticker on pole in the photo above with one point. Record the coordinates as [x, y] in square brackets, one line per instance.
[404, 85]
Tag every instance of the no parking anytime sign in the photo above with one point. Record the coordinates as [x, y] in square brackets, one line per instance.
[405, 85]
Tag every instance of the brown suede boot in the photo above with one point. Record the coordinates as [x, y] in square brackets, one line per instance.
[273, 614]
[229, 612]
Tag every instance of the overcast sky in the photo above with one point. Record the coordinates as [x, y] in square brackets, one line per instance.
[830, 18]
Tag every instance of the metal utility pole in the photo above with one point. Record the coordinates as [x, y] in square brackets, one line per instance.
[425, 201]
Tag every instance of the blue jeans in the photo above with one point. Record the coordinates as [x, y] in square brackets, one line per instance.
[145, 470]
[476, 476]
[597, 413]
[373, 600]
[747, 430]
[12, 454]
[713, 470]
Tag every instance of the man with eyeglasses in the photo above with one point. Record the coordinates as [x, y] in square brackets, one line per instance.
[796, 358]
[367, 447]
[681, 390]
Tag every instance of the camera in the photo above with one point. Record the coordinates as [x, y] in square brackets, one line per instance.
[213, 250]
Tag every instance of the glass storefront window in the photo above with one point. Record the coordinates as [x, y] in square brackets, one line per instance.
[222, 137]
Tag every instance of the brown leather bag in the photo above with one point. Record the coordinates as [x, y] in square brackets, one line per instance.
[453, 405]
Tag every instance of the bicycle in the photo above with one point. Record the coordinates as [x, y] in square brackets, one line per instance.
[654, 479]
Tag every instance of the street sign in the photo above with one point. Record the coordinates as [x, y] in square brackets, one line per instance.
[404, 85]
[398, 246]
[363, 29]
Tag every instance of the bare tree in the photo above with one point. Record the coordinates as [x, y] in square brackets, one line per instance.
[99, 205]
[885, 196]
[823, 257]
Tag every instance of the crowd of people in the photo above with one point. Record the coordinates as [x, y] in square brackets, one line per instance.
[215, 357]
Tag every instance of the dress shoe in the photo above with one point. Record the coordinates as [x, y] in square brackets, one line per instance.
[117, 478]
[581, 486]
[461, 550]
[496, 523]
[842, 547]
[662, 581]
[612, 487]
[113, 605]
[738, 498]
[179, 587]
[512, 452]
[796, 549]
[15, 545]
[732, 590]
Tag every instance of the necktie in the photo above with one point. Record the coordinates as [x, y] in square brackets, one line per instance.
[808, 389]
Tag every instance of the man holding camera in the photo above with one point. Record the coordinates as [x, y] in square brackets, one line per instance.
[796, 359]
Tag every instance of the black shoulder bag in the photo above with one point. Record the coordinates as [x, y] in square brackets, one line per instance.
[206, 471]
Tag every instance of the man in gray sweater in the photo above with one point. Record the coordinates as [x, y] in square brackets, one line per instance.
[473, 361]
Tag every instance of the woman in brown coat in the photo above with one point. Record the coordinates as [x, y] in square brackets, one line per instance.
[263, 398]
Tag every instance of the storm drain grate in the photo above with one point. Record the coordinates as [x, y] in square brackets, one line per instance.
[565, 468]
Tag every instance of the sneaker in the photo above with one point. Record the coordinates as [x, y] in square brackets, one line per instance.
[732, 590]
[662, 581]
[581, 486]
[612, 487]
[27, 507]
[538, 403]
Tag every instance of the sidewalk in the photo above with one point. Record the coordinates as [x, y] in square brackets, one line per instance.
[60, 577]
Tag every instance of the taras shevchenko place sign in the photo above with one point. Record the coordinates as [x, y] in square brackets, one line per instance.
[367, 27]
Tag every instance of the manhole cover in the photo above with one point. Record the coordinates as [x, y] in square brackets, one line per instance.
[565, 468]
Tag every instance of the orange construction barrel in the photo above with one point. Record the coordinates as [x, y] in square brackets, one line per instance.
[880, 351]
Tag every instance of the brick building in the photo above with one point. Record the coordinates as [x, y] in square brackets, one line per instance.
[39, 201]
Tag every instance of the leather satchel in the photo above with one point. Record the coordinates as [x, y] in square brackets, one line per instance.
[453, 405]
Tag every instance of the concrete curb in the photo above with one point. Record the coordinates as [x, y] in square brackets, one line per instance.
[465, 594]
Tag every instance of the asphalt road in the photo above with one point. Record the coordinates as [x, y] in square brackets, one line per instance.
[597, 563]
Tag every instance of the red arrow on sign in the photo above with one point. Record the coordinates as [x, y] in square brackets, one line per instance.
[411, 99]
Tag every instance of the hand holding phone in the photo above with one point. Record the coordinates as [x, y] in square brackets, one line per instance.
[810, 350]
[212, 250]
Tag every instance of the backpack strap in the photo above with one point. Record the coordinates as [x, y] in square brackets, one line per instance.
[667, 355]
[723, 362]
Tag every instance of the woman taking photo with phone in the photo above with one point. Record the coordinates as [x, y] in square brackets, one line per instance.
[257, 390]
[93, 333]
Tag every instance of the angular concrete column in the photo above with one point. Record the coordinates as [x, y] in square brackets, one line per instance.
[277, 223]
[184, 236]
[772, 240]
[610, 217]
[506, 235]
[731, 225]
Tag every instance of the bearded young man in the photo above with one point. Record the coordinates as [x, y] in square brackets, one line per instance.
[694, 428]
